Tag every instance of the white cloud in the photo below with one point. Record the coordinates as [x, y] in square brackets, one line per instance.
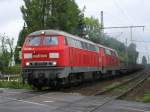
[12, 29]
[11, 21]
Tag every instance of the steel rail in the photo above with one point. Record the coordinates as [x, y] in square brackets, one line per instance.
[146, 75]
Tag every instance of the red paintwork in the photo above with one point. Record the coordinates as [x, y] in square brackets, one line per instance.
[45, 50]
[109, 61]
[70, 56]
[82, 58]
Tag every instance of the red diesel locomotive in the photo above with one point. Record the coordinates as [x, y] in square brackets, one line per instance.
[52, 58]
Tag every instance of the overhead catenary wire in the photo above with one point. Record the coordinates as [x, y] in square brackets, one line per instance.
[130, 20]
[115, 18]
[126, 14]
[123, 12]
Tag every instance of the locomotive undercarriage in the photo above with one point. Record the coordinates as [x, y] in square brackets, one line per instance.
[58, 77]
[40, 77]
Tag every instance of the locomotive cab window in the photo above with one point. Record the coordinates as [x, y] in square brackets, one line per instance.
[65, 41]
[107, 51]
[74, 43]
[113, 53]
[33, 41]
[50, 41]
[116, 54]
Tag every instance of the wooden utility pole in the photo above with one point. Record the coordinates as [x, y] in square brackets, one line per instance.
[126, 42]
[45, 12]
[102, 25]
[102, 20]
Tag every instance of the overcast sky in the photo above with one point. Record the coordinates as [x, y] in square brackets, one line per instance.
[116, 13]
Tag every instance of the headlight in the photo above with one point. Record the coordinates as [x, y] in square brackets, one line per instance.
[54, 63]
[27, 55]
[27, 63]
[54, 55]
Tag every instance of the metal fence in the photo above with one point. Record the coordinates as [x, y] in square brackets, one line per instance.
[9, 77]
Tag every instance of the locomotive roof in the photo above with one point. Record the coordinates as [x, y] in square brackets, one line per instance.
[106, 47]
[58, 32]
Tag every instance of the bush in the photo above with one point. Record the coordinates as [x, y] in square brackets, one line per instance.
[13, 70]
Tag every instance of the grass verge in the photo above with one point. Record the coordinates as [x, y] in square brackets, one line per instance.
[146, 98]
[111, 86]
[14, 84]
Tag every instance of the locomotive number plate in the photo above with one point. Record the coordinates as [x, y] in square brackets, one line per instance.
[40, 56]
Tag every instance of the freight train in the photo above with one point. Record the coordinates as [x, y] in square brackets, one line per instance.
[52, 58]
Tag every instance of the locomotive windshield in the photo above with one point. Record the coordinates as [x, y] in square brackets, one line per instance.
[46, 41]
[50, 41]
[33, 41]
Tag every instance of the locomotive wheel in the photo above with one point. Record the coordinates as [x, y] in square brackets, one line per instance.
[65, 82]
[37, 86]
[72, 80]
[75, 79]
[96, 75]
[30, 80]
[80, 78]
[60, 83]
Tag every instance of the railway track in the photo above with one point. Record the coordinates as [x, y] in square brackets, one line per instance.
[102, 85]
[123, 89]
[128, 80]
[94, 103]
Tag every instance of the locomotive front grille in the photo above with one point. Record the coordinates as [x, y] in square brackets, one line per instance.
[45, 63]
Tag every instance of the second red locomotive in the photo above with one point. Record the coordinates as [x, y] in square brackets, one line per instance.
[51, 58]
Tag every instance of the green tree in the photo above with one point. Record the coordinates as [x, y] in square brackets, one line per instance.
[132, 54]
[6, 51]
[66, 15]
[144, 60]
[23, 33]
[92, 23]
[92, 30]
[56, 14]
[117, 45]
